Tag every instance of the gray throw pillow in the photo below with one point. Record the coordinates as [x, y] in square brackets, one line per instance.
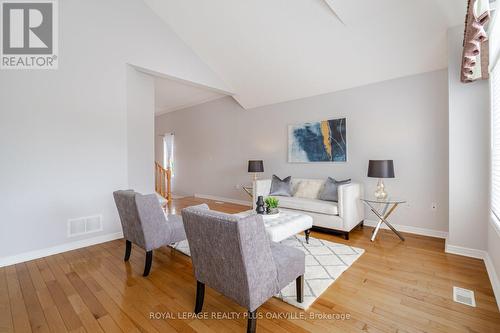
[281, 187]
[330, 190]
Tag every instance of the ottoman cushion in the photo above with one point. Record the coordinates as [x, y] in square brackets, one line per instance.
[285, 225]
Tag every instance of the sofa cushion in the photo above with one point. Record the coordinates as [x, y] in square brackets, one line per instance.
[281, 186]
[309, 205]
[308, 189]
[330, 190]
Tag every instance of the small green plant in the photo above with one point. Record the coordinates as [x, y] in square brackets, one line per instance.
[272, 202]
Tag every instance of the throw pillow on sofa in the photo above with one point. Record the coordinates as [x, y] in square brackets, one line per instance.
[282, 187]
[330, 190]
[308, 189]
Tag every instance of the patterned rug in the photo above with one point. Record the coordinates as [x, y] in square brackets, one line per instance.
[325, 262]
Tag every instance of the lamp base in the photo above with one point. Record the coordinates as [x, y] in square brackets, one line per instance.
[380, 193]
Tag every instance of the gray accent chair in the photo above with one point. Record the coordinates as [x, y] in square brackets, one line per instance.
[145, 224]
[235, 257]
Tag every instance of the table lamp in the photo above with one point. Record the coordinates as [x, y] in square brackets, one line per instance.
[255, 166]
[381, 169]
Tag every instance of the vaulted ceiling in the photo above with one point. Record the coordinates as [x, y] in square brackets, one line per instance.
[171, 95]
[271, 51]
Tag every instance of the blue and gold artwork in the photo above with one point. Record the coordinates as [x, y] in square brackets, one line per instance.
[322, 141]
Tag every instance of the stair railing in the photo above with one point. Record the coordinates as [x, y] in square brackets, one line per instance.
[163, 181]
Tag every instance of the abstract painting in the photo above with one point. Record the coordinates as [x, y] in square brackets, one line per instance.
[321, 141]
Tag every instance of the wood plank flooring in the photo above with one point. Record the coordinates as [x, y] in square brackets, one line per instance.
[393, 287]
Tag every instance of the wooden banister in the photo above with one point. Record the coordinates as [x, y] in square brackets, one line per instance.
[163, 181]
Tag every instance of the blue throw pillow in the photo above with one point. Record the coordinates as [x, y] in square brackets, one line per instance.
[330, 190]
[281, 187]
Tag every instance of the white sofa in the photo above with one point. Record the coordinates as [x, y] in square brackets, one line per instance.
[342, 216]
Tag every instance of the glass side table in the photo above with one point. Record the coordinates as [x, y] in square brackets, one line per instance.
[248, 190]
[385, 208]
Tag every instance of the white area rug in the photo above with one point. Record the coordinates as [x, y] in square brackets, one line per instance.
[325, 262]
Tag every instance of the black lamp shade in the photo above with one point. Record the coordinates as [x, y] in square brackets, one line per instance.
[256, 166]
[381, 169]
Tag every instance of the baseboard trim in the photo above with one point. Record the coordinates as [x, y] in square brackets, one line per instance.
[411, 230]
[495, 282]
[465, 251]
[217, 198]
[31, 255]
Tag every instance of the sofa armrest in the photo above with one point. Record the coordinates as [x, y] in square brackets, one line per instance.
[260, 187]
[350, 207]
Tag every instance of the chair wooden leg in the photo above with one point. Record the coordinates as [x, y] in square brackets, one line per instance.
[307, 232]
[149, 261]
[299, 284]
[200, 295]
[128, 249]
[252, 321]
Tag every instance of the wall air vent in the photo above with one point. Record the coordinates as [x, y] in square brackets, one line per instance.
[464, 296]
[84, 225]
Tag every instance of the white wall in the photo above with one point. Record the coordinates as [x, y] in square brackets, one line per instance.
[140, 134]
[63, 133]
[469, 153]
[494, 255]
[404, 119]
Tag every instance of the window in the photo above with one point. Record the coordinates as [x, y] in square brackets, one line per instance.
[494, 41]
[495, 140]
[168, 152]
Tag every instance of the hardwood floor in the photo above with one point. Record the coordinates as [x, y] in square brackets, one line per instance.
[393, 287]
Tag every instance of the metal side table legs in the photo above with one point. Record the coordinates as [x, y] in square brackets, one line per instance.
[383, 215]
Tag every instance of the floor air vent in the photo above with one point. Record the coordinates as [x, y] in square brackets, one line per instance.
[464, 296]
[84, 225]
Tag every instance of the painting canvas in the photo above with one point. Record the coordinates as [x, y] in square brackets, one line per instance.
[321, 141]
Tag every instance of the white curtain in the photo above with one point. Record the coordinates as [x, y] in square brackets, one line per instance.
[168, 152]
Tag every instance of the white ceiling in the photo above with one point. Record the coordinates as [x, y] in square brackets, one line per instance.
[171, 95]
[271, 51]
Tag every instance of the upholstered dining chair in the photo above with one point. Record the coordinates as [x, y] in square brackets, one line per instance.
[145, 224]
[234, 256]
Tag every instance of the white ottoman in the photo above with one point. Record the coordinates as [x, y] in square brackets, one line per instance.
[286, 224]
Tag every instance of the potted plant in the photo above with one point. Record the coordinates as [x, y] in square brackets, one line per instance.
[272, 205]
